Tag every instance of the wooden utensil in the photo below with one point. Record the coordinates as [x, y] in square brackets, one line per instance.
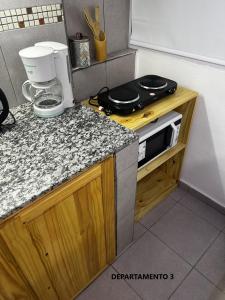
[93, 24]
[99, 35]
[102, 36]
[89, 21]
[97, 18]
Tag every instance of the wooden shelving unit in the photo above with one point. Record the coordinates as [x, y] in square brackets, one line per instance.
[158, 184]
[160, 177]
[159, 161]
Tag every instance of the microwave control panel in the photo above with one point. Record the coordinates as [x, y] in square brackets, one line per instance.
[142, 151]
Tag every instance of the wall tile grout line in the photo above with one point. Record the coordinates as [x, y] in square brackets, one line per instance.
[143, 232]
[159, 217]
[183, 197]
[210, 245]
[128, 247]
[19, 18]
[194, 213]
[209, 280]
[194, 266]
[213, 241]
[128, 284]
[155, 235]
[204, 198]
[185, 277]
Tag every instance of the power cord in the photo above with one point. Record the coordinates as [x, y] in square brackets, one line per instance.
[8, 126]
[95, 98]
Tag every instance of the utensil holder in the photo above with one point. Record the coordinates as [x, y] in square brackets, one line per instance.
[80, 51]
[101, 48]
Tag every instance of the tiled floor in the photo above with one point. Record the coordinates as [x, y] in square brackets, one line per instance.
[182, 236]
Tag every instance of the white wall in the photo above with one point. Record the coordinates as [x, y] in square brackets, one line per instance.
[204, 166]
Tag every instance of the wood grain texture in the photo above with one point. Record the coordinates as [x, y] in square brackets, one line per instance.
[186, 110]
[172, 166]
[21, 248]
[55, 251]
[109, 206]
[151, 112]
[70, 239]
[151, 190]
[158, 184]
[13, 284]
[58, 194]
[159, 161]
[160, 177]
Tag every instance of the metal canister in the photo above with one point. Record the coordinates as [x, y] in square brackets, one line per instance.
[80, 51]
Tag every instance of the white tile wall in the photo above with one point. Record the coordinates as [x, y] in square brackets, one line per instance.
[18, 18]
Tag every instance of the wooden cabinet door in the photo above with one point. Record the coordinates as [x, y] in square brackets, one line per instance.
[72, 234]
[13, 284]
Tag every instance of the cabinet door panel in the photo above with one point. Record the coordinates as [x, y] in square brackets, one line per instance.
[60, 193]
[13, 284]
[70, 239]
[57, 246]
[27, 260]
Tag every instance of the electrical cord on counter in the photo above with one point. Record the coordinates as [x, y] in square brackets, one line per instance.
[8, 126]
[95, 98]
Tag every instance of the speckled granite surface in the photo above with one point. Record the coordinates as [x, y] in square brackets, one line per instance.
[39, 154]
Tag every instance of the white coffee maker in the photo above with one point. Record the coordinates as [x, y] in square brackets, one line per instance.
[49, 87]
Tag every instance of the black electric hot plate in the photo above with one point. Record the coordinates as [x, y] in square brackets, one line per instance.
[136, 94]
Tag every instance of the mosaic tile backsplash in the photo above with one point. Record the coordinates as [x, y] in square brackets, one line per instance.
[18, 18]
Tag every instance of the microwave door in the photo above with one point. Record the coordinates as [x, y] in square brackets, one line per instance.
[155, 145]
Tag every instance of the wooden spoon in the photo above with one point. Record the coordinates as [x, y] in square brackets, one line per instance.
[89, 21]
[97, 18]
[93, 24]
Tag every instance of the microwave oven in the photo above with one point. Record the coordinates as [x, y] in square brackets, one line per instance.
[158, 137]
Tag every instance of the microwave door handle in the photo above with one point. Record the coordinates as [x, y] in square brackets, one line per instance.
[175, 134]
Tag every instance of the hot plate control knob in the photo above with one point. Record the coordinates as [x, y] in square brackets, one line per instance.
[140, 105]
[108, 112]
[172, 91]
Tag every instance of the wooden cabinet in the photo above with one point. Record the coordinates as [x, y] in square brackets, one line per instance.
[57, 246]
[161, 176]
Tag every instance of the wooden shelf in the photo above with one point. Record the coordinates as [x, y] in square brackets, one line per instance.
[160, 177]
[151, 190]
[111, 56]
[158, 184]
[159, 161]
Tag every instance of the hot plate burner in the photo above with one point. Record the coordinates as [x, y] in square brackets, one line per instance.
[153, 82]
[124, 95]
[134, 95]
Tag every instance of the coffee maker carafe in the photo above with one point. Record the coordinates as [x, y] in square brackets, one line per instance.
[49, 86]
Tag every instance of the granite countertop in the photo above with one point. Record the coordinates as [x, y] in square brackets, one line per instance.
[39, 154]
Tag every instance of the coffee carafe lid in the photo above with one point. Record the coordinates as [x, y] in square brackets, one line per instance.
[35, 52]
[52, 45]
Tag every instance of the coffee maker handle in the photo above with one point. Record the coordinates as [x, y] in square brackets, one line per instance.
[25, 90]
